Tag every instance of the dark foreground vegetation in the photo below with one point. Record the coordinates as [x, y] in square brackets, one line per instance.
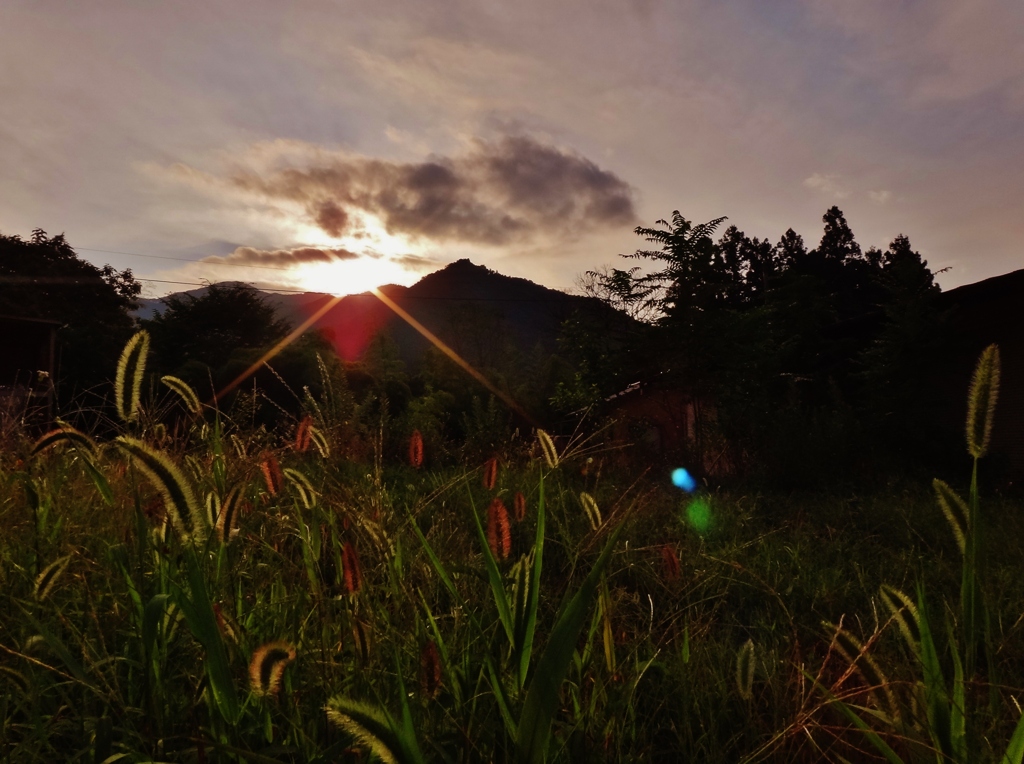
[190, 587]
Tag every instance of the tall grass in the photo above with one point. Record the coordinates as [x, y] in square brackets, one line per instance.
[193, 588]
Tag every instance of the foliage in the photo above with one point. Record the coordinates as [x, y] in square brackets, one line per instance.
[772, 340]
[947, 725]
[43, 277]
[225, 592]
[194, 334]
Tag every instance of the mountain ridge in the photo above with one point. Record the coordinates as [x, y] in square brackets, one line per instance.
[463, 304]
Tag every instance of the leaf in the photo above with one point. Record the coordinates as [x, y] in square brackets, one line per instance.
[202, 622]
[534, 729]
[526, 628]
[494, 577]
[1015, 749]
[99, 480]
[880, 745]
[152, 617]
[936, 696]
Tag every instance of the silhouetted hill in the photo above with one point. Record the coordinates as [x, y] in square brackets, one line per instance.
[981, 314]
[473, 309]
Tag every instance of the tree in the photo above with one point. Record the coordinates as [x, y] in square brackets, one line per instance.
[196, 334]
[780, 339]
[44, 278]
[905, 353]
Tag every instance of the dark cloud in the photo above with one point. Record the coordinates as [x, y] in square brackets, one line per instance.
[331, 218]
[283, 257]
[512, 190]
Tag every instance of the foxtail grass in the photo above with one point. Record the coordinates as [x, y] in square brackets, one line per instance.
[416, 449]
[499, 534]
[179, 501]
[185, 392]
[131, 368]
[267, 667]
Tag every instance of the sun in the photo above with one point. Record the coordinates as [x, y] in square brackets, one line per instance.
[375, 264]
[353, 276]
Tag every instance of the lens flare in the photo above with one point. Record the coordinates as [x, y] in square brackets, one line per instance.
[681, 478]
[698, 514]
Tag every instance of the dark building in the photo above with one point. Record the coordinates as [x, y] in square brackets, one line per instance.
[27, 365]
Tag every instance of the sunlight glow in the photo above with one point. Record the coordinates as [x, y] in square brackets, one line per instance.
[352, 276]
[376, 265]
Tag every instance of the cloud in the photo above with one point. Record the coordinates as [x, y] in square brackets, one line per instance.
[512, 190]
[827, 184]
[418, 263]
[880, 197]
[935, 52]
[282, 257]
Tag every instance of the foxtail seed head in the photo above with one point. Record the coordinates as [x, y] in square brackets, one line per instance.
[491, 473]
[519, 507]
[416, 449]
[267, 667]
[302, 435]
[548, 447]
[591, 508]
[128, 381]
[430, 669]
[981, 402]
[48, 577]
[499, 534]
[272, 475]
[353, 570]
[180, 503]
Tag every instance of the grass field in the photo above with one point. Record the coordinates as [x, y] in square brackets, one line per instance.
[186, 588]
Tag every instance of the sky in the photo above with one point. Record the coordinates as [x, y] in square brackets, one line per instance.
[336, 146]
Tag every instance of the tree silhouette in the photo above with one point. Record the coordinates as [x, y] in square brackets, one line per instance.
[44, 278]
[196, 334]
[782, 342]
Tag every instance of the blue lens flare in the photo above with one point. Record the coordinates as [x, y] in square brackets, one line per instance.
[683, 479]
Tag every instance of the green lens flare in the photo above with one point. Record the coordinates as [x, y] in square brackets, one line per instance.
[698, 514]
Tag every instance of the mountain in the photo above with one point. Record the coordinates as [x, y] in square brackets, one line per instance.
[980, 314]
[472, 309]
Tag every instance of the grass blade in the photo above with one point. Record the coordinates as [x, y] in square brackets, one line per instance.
[202, 621]
[526, 621]
[939, 721]
[538, 711]
[494, 577]
[1015, 750]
